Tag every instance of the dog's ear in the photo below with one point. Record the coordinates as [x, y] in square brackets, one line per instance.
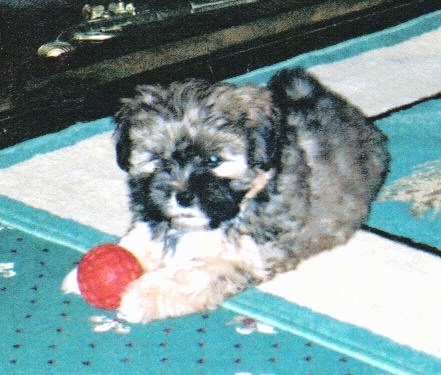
[129, 116]
[123, 144]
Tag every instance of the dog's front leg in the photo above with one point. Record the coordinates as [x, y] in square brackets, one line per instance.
[140, 243]
[205, 270]
[179, 290]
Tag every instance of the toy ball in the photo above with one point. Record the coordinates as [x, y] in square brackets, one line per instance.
[103, 274]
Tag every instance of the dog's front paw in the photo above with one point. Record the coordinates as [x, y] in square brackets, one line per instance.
[168, 293]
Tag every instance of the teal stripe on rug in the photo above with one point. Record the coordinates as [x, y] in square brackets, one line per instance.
[414, 136]
[415, 144]
[45, 225]
[51, 142]
[353, 341]
[350, 48]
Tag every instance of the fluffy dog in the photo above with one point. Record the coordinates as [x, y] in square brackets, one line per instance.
[231, 185]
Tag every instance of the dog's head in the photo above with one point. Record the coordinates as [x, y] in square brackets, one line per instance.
[194, 151]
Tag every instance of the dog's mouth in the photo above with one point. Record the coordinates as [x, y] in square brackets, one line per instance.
[189, 223]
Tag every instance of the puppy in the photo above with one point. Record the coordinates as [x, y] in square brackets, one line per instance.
[231, 185]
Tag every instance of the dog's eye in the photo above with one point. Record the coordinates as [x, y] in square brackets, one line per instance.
[213, 161]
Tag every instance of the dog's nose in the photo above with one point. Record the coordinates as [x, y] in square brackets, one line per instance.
[185, 198]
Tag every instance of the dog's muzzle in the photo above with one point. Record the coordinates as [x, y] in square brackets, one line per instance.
[184, 213]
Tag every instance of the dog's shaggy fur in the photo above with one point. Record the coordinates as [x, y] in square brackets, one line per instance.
[231, 185]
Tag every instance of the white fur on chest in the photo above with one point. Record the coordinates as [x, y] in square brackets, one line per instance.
[195, 245]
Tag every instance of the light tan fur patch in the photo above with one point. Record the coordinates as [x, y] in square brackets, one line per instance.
[421, 189]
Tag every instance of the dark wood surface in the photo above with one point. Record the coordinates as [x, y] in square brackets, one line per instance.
[40, 95]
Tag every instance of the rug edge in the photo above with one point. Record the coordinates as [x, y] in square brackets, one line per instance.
[346, 338]
[50, 227]
[51, 142]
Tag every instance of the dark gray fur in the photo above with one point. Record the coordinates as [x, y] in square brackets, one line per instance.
[329, 162]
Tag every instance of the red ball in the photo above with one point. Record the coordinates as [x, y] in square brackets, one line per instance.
[103, 274]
